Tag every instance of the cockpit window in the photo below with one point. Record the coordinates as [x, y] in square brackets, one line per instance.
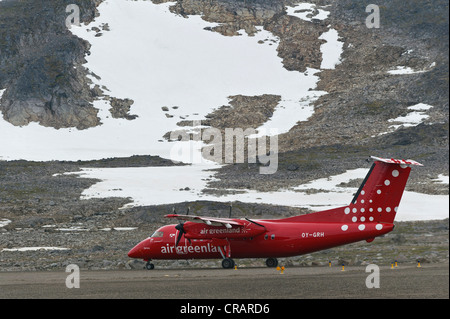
[157, 234]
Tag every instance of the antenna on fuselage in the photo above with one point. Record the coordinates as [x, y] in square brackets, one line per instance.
[187, 213]
[231, 207]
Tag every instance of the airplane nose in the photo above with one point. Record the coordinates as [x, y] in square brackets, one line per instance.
[135, 252]
[139, 250]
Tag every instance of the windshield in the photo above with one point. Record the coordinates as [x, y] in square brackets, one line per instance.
[157, 234]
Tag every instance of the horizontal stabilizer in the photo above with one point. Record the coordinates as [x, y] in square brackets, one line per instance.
[396, 161]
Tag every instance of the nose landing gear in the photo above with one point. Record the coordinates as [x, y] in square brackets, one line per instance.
[149, 265]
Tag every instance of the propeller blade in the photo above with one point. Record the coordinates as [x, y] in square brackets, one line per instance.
[180, 227]
[181, 231]
[180, 234]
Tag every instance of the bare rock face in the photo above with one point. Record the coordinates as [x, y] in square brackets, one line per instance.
[232, 15]
[57, 100]
[120, 108]
[243, 112]
[299, 46]
[41, 66]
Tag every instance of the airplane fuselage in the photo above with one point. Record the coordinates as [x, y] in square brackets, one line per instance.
[282, 239]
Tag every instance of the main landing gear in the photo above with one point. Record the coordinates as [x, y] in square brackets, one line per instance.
[271, 262]
[228, 263]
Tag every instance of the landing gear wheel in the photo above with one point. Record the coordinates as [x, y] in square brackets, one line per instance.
[149, 266]
[271, 262]
[228, 263]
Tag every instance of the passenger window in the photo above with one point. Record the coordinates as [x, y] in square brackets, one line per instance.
[157, 234]
[272, 237]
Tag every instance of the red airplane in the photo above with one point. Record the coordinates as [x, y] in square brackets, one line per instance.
[370, 214]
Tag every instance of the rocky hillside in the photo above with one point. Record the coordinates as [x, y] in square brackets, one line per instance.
[41, 61]
[352, 121]
[43, 80]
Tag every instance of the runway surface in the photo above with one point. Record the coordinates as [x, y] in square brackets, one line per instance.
[429, 281]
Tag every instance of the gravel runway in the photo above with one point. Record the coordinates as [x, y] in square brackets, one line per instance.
[406, 281]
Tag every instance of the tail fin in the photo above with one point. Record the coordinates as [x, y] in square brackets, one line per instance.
[379, 195]
[376, 200]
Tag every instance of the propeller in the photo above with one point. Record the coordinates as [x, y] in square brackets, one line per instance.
[181, 231]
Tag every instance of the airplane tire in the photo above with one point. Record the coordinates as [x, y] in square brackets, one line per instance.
[149, 266]
[271, 262]
[228, 263]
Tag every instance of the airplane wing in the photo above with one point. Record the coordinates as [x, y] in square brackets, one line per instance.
[210, 221]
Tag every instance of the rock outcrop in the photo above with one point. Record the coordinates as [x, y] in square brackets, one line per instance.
[41, 65]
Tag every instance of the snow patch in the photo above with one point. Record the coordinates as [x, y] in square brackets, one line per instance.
[282, 116]
[155, 186]
[148, 185]
[4, 222]
[416, 116]
[332, 183]
[331, 50]
[119, 228]
[442, 179]
[306, 11]
[401, 70]
[22, 249]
